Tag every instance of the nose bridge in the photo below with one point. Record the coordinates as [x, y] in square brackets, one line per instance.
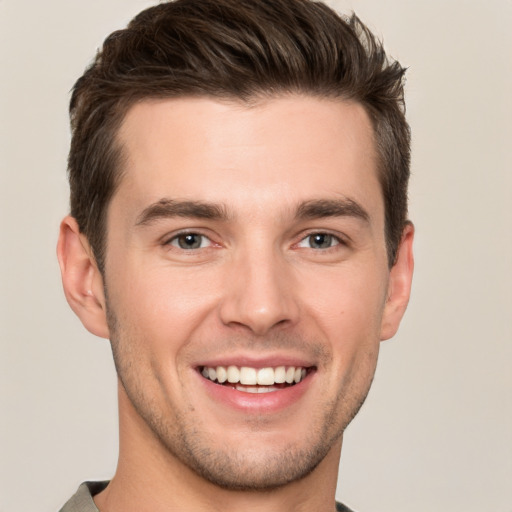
[259, 295]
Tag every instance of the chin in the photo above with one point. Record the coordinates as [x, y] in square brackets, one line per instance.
[253, 470]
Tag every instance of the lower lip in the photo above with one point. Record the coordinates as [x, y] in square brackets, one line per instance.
[272, 401]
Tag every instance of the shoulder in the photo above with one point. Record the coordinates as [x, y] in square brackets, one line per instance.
[82, 500]
[342, 508]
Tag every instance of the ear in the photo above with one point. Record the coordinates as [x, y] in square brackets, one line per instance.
[81, 279]
[399, 286]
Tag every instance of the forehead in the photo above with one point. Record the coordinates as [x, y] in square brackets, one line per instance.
[271, 153]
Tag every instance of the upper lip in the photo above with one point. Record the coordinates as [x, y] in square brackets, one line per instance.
[251, 361]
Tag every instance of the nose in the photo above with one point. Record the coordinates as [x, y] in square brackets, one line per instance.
[260, 294]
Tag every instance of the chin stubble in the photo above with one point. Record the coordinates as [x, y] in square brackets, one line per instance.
[225, 466]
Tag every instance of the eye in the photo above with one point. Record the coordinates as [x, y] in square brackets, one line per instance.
[319, 241]
[190, 241]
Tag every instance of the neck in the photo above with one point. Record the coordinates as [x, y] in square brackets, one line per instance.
[149, 477]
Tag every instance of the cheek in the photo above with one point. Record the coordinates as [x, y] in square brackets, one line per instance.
[348, 312]
[162, 302]
[348, 303]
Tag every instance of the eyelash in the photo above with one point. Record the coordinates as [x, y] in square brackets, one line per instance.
[176, 238]
[333, 240]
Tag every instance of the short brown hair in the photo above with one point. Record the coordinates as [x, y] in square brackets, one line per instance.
[236, 49]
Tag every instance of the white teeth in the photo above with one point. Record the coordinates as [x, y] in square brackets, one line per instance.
[280, 375]
[262, 380]
[262, 389]
[265, 376]
[233, 374]
[222, 374]
[254, 389]
[248, 376]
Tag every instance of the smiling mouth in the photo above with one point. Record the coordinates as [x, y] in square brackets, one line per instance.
[255, 380]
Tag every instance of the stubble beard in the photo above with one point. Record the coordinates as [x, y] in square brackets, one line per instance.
[224, 466]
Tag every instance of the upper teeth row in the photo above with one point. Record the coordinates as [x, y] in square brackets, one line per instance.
[252, 376]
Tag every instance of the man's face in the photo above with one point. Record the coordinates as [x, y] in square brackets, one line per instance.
[246, 244]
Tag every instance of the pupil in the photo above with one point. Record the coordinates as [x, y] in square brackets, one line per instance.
[321, 241]
[190, 241]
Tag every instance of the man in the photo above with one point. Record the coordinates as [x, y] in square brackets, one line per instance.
[238, 230]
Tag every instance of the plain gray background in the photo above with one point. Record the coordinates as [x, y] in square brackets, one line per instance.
[436, 431]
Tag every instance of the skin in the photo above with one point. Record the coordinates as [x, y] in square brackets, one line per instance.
[258, 289]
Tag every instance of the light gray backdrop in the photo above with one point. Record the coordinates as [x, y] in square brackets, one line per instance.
[436, 431]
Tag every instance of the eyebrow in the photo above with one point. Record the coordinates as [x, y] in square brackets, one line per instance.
[308, 210]
[320, 208]
[169, 208]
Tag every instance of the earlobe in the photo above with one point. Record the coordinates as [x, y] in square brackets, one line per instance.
[81, 279]
[399, 287]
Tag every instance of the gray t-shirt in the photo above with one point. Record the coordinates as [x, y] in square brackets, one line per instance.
[82, 500]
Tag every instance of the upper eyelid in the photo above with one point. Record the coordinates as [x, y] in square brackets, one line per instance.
[338, 242]
[341, 237]
[173, 239]
[168, 237]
